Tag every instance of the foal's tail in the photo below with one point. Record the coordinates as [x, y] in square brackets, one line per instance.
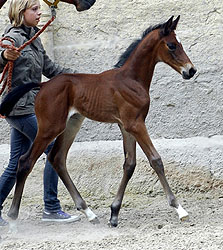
[12, 97]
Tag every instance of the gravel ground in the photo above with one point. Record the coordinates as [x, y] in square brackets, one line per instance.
[145, 223]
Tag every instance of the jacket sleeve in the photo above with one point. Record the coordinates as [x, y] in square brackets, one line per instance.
[9, 33]
[51, 69]
[3, 61]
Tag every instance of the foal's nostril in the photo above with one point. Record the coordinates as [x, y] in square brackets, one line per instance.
[192, 71]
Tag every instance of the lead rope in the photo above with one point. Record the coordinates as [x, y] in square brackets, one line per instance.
[9, 66]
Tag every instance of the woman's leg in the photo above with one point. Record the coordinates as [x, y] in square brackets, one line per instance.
[50, 181]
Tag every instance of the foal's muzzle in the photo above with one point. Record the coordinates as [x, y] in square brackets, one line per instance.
[189, 73]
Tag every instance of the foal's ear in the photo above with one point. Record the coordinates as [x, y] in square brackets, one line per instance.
[167, 26]
[175, 22]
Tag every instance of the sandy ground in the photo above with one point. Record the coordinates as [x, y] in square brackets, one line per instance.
[145, 222]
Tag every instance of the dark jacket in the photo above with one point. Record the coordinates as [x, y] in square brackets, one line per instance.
[29, 67]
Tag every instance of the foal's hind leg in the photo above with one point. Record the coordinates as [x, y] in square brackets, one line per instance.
[25, 166]
[140, 133]
[129, 144]
[57, 158]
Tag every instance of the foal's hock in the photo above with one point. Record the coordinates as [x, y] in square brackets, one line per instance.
[119, 96]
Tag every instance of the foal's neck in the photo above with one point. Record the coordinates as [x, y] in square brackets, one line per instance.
[142, 62]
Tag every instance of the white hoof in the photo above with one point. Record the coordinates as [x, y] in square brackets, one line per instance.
[183, 214]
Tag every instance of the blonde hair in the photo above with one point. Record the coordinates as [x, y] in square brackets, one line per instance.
[17, 9]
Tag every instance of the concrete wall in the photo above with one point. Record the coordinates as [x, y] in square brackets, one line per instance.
[192, 166]
[92, 41]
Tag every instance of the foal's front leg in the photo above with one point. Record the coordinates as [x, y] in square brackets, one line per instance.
[142, 137]
[129, 144]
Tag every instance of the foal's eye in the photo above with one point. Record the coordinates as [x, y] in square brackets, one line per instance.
[171, 46]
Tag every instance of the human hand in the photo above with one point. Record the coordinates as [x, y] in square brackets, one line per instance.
[11, 54]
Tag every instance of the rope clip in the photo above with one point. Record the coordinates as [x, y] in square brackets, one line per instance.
[53, 6]
[53, 11]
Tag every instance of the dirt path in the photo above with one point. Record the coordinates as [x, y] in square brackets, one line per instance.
[144, 224]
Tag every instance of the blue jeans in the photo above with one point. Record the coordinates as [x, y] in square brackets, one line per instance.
[23, 133]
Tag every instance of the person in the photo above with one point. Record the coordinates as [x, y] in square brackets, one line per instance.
[29, 65]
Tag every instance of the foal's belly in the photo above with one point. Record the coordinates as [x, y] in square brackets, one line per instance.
[100, 116]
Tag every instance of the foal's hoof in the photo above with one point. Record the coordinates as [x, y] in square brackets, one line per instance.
[184, 218]
[95, 221]
[183, 214]
[113, 222]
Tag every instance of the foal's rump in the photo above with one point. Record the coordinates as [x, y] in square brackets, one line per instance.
[18, 92]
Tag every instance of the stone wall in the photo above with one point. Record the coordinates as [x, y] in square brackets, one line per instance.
[92, 41]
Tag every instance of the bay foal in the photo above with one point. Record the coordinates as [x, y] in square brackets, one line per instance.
[119, 96]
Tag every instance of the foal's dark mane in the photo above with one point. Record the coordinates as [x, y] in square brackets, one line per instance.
[123, 58]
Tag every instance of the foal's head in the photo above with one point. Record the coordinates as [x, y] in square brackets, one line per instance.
[170, 50]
